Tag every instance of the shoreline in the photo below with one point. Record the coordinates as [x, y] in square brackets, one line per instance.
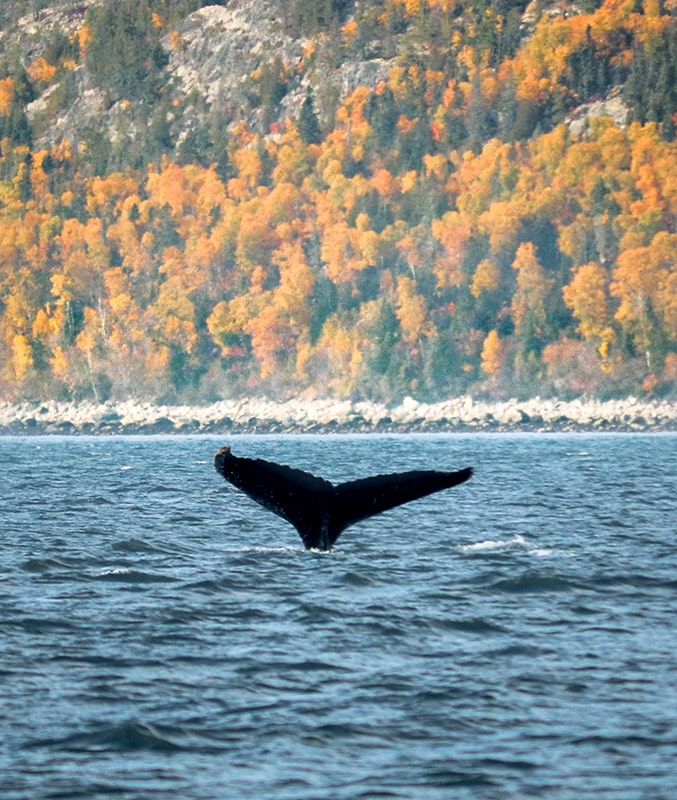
[462, 414]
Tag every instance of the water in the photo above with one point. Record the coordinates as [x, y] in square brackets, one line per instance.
[163, 637]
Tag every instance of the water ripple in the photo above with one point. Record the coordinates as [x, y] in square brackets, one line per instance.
[167, 639]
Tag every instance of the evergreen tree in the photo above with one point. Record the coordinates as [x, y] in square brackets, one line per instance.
[651, 87]
[309, 126]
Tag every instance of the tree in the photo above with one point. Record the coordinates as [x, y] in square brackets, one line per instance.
[492, 354]
[411, 310]
[645, 283]
[309, 126]
[486, 278]
[453, 231]
[530, 300]
[586, 296]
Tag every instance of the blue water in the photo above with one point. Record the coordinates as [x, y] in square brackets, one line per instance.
[163, 637]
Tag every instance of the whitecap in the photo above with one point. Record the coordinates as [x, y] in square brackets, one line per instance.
[260, 548]
[516, 543]
[494, 544]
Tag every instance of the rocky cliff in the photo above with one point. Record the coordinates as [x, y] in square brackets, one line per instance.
[217, 62]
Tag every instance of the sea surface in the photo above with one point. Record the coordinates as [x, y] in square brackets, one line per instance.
[161, 636]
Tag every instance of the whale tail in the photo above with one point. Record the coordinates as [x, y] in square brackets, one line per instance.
[320, 511]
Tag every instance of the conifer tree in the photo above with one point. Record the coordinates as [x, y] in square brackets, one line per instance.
[309, 126]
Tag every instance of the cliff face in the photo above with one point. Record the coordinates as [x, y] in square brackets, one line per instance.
[217, 48]
[221, 45]
[30, 31]
[221, 64]
[220, 67]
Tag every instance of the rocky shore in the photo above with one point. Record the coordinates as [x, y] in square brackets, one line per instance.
[460, 414]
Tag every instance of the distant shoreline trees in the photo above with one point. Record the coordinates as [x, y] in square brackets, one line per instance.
[449, 232]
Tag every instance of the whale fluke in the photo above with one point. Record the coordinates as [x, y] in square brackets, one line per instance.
[320, 511]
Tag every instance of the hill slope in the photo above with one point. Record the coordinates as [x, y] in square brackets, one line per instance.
[364, 199]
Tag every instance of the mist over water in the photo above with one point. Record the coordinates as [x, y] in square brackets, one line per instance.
[161, 636]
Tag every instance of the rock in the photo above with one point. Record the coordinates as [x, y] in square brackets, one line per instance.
[254, 416]
[160, 425]
[512, 416]
[613, 107]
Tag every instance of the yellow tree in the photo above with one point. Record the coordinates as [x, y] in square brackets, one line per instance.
[249, 171]
[586, 296]
[338, 358]
[276, 320]
[280, 332]
[84, 257]
[654, 205]
[492, 354]
[352, 126]
[22, 357]
[171, 186]
[174, 309]
[130, 235]
[453, 231]
[487, 278]
[267, 339]
[106, 196]
[18, 310]
[338, 254]
[411, 310]
[50, 333]
[529, 301]
[294, 159]
[501, 222]
[6, 96]
[127, 344]
[256, 238]
[645, 283]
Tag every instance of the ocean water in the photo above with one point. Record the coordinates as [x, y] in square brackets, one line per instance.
[161, 636]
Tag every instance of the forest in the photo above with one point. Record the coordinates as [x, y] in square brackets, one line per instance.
[497, 217]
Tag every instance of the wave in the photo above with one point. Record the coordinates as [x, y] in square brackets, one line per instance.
[72, 504]
[528, 584]
[479, 626]
[135, 546]
[38, 624]
[124, 736]
[356, 579]
[127, 575]
[63, 566]
[613, 742]
[515, 543]
[633, 580]
[42, 565]
[537, 583]
[183, 518]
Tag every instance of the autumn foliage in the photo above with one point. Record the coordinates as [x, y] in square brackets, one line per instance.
[422, 244]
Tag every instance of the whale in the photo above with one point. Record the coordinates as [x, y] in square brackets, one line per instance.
[319, 510]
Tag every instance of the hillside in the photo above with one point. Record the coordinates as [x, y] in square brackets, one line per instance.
[362, 200]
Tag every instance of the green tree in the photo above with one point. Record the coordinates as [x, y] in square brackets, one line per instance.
[309, 126]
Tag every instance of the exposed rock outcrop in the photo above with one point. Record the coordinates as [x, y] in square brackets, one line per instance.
[219, 46]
